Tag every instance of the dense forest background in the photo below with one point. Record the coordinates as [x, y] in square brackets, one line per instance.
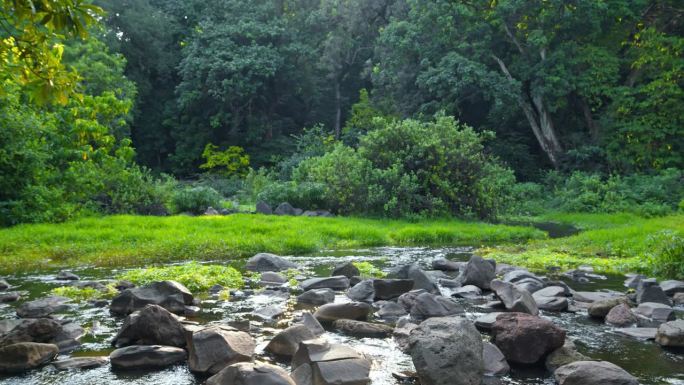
[377, 107]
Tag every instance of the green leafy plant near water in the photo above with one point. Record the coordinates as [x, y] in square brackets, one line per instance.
[195, 276]
[367, 270]
[79, 294]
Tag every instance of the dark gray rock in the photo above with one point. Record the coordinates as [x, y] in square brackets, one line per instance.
[671, 334]
[271, 278]
[408, 300]
[363, 291]
[552, 291]
[468, 291]
[649, 291]
[212, 348]
[651, 314]
[4, 285]
[478, 272]
[486, 322]
[339, 282]
[391, 288]
[362, 329]
[632, 282]
[6, 325]
[346, 269]
[245, 373]
[564, 355]
[286, 342]
[318, 362]
[390, 311]
[351, 310]
[44, 330]
[600, 309]
[170, 295]
[514, 299]
[263, 262]
[678, 299]
[429, 305]
[421, 280]
[153, 325]
[595, 296]
[139, 357]
[312, 323]
[593, 373]
[550, 303]
[269, 313]
[495, 363]
[263, 208]
[447, 351]
[672, 287]
[10, 296]
[284, 209]
[24, 356]
[316, 297]
[531, 285]
[67, 276]
[80, 363]
[526, 339]
[444, 264]
[43, 307]
[621, 316]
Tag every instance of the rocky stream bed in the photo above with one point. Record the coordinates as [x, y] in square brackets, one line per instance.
[441, 316]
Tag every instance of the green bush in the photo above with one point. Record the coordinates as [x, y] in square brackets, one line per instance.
[195, 200]
[226, 186]
[667, 257]
[195, 276]
[412, 168]
[306, 195]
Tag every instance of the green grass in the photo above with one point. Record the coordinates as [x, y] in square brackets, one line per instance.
[195, 276]
[609, 243]
[140, 241]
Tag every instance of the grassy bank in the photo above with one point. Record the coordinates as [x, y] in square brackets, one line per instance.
[136, 240]
[608, 242]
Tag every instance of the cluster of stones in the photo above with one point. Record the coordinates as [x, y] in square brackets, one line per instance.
[287, 209]
[420, 309]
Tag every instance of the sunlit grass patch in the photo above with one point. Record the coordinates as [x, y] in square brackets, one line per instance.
[193, 275]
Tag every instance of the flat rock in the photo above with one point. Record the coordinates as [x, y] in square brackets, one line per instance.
[138, 357]
[593, 373]
[316, 297]
[362, 329]
[639, 333]
[350, 310]
[468, 291]
[67, 276]
[43, 307]
[271, 278]
[24, 356]
[263, 262]
[594, 296]
[215, 347]
[672, 287]
[652, 313]
[80, 363]
[246, 373]
[170, 295]
[444, 264]
[486, 322]
[339, 283]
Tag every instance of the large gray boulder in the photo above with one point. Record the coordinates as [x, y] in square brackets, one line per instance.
[153, 325]
[286, 342]
[428, 305]
[268, 262]
[263, 208]
[215, 347]
[245, 373]
[350, 310]
[139, 357]
[652, 314]
[421, 280]
[285, 209]
[316, 297]
[362, 329]
[318, 362]
[671, 334]
[362, 291]
[24, 356]
[339, 283]
[649, 291]
[526, 339]
[170, 295]
[43, 307]
[347, 269]
[447, 351]
[386, 289]
[80, 363]
[478, 272]
[514, 299]
[64, 334]
[600, 309]
[593, 373]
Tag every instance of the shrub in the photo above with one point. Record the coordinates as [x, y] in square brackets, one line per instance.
[667, 257]
[195, 200]
[305, 195]
[226, 186]
[230, 162]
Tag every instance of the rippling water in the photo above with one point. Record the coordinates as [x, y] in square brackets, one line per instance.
[646, 360]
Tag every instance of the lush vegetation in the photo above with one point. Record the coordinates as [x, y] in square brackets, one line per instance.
[195, 276]
[421, 111]
[136, 241]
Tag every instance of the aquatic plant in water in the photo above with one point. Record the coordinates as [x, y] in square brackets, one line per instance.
[195, 276]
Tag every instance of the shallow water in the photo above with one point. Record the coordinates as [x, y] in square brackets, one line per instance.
[644, 359]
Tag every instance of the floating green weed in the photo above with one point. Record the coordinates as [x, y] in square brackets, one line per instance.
[195, 276]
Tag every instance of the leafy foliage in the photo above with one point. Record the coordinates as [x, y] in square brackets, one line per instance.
[230, 162]
[82, 294]
[368, 270]
[195, 276]
[195, 200]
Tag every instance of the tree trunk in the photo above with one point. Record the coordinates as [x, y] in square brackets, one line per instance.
[539, 120]
[338, 110]
[589, 119]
